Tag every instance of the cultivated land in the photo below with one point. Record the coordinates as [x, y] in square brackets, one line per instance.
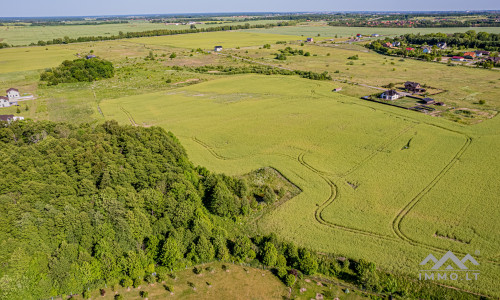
[364, 194]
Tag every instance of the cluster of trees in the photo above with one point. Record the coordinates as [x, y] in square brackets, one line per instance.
[158, 32]
[64, 23]
[258, 69]
[289, 51]
[469, 39]
[4, 45]
[78, 70]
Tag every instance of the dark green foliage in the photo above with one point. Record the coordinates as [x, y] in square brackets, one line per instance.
[290, 280]
[354, 57]
[144, 294]
[78, 70]
[268, 195]
[243, 249]
[269, 254]
[307, 262]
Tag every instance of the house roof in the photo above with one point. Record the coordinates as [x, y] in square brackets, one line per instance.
[470, 53]
[427, 100]
[6, 117]
[4, 98]
[410, 49]
[412, 84]
[12, 89]
[391, 93]
[457, 57]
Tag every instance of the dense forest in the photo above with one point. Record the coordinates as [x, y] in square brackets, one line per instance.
[78, 70]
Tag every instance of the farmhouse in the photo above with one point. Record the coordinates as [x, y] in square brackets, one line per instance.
[4, 101]
[13, 93]
[10, 118]
[310, 40]
[218, 48]
[457, 58]
[90, 56]
[390, 95]
[413, 87]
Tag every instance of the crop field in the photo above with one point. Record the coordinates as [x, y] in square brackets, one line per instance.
[378, 182]
[208, 40]
[364, 193]
[330, 31]
[24, 35]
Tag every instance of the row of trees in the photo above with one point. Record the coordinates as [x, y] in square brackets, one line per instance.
[258, 69]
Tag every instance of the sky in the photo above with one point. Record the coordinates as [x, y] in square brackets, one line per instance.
[32, 8]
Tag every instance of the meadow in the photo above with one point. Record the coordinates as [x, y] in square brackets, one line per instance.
[25, 35]
[378, 182]
[349, 161]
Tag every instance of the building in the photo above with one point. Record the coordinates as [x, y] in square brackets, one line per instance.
[375, 35]
[218, 48]
[310, 40]
[4, 101]
[410, 49]
[413, 87]
[428, 101]
[482, 53]
[90, 56]
[387, 45]
[13, 93]
[396, 44]
[337, 89]
[426, 50]
[441, 45]
[10, 118]
[358, 35]
[390, 95]
[457, 58]
[470, 55]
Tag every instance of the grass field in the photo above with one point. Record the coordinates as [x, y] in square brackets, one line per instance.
[347, 156]
[24, 35]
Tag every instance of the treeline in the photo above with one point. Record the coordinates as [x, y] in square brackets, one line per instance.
[256, 69]
[78, 70]
[63, 23]
[157, 32]
[415, 23]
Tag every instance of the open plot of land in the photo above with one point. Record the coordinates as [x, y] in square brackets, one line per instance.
[359, 184]
[208, 40]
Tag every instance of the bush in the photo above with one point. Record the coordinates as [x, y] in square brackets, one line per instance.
[126, 282]
[118, 297]
[144, 294]
[169, 287]
[137, 282]
[290, 280]
[78, 70]
[482, 101]
[354, 57]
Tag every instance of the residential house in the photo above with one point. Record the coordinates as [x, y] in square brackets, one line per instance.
[390, 95]
[441, 45]
[495, 60]
[470, 55]
[13, 93]
[10, 118]
[4, 101]
[310, 40]
[387, 45]
[218, 48]
[409, 49]
[426, 50]
[396, 44]
[457, 58]
[482, 53]
[375, 35]
[90, 56]
[413, 87]
[358, 35]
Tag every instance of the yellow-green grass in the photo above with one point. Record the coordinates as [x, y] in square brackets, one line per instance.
[327, 143]
[207, 40]
[32, 58]
[463, 86]
[25, 35]
[331, 31]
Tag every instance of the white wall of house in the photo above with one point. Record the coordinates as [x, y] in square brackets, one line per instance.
[387, 97]
[4, 103]
[13, 94]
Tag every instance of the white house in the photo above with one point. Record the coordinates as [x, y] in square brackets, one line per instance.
[13, 93]
[426, 49]
[218, 48]
[390, 95]
[396, 44]
[4, 101]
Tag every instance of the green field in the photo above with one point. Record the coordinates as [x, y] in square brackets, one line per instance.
[364, 194]
[24, 35]
[347, 157]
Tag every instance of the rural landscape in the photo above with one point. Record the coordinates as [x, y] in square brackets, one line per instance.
[250, 156]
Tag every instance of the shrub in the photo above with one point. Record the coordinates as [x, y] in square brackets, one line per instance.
[137, 282]
[144, 294]
[290, 280]
[118, 297]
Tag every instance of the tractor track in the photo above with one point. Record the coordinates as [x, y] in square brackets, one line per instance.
[129, 116]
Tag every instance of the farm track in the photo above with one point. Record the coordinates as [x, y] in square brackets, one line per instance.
[210, 149]
[129, 116]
